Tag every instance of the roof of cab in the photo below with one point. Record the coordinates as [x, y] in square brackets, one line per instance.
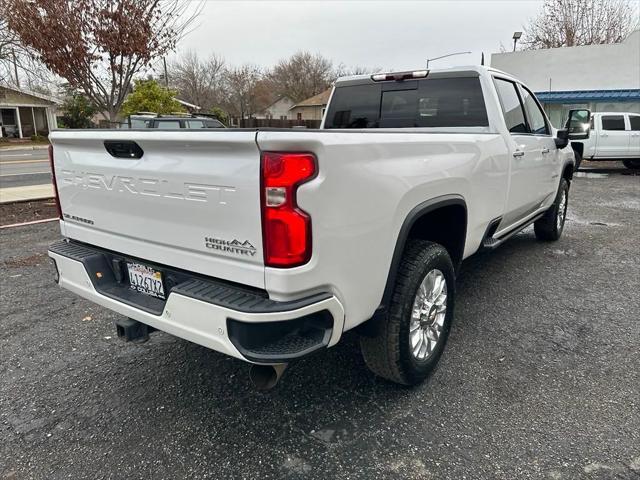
[460, 71]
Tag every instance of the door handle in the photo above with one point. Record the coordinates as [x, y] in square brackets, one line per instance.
[518, 153]
[545, 150]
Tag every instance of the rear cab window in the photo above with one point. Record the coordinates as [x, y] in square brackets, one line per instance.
[436, 102]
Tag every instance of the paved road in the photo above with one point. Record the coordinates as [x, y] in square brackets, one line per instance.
[24, 167]
[541, 377]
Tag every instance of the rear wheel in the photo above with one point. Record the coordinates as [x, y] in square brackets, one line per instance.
[550, 226]
[632, 163]
[411, 339]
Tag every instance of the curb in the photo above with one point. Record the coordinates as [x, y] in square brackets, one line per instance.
[35, 147]
[25, 200]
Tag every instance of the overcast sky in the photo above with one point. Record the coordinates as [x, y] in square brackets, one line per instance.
[389, 34]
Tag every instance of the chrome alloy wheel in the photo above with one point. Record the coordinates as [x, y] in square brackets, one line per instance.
[562, 211]
[428, 314]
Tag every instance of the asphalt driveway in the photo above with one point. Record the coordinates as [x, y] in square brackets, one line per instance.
[541, 377]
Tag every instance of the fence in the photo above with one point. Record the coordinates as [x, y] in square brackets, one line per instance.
[276, 123]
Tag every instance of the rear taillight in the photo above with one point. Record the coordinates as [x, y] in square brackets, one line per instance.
[286, 229]
[53, 180]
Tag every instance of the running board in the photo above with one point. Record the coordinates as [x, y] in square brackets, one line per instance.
[491, 243]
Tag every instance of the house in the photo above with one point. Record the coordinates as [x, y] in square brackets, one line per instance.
[311, 108]
[278, 110]
[24, 113]
[602, 78]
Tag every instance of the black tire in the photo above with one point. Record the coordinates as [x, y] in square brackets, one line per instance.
[389, 353]
[578, 158]
[632, 163]
[550, 226]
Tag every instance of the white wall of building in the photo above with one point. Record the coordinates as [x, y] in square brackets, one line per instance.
[590, 67]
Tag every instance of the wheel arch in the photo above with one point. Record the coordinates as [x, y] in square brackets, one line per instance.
[449, 209]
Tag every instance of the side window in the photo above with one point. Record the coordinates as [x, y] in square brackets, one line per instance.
[613, 122]
[168, 125]
[635, 122]
[195, 124]
[537, 122]
[511, 106]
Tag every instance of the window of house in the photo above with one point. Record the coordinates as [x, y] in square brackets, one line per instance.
[299, 116]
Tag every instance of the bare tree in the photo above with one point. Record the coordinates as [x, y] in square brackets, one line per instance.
[302, 76]
[18, 65]
[568, 23]
[99, 45]
[198, 81]
[241, 85]
[344, 71]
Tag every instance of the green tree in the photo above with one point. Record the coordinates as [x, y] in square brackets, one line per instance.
[149, 96]
[78, 111]
[219, 114]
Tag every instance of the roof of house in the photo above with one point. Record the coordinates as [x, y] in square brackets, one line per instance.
[41, 96]
[321, 99]
[625, 95]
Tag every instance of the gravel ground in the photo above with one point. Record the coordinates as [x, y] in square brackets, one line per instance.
[541, 377]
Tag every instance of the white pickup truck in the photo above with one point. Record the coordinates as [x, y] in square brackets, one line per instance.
[614, 136]
[268, 245]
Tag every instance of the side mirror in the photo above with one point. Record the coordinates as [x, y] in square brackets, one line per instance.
[562, 138]
[579, 124]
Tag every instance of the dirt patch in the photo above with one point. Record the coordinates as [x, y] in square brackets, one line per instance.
[19, 212]
[30, 261]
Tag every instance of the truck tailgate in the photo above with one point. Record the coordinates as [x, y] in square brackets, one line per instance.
[191, 201]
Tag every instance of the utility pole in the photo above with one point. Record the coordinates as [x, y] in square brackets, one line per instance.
[166, 77]
[15, 67]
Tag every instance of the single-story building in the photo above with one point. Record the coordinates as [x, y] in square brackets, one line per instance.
[24, 113]
[278, 110]
[602, 78]
[312, 108]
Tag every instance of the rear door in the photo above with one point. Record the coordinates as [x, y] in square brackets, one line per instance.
[614, 137]
[191, 201]
[634, 145]
[526, 190]
[540, 128]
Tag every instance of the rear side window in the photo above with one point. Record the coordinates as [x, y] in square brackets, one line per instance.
[195, 124]
[168, 125]
[451, 102]
[635, 122]
[613, 122]
[511, 106]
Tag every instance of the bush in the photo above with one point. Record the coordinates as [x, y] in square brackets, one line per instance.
[4, 140]
[39, 138]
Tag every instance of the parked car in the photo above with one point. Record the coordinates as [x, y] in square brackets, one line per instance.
[268, 245]
[614, 136]
[171, 122]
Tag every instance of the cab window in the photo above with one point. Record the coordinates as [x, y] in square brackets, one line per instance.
[613, 122]
[511, 106]
[537, 122]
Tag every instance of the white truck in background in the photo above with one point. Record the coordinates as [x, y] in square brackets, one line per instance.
[267, 245]
[614, 136]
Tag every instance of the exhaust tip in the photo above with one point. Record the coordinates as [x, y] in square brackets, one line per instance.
[265, 377]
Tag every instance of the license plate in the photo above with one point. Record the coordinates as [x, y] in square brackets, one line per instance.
[146, 280]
